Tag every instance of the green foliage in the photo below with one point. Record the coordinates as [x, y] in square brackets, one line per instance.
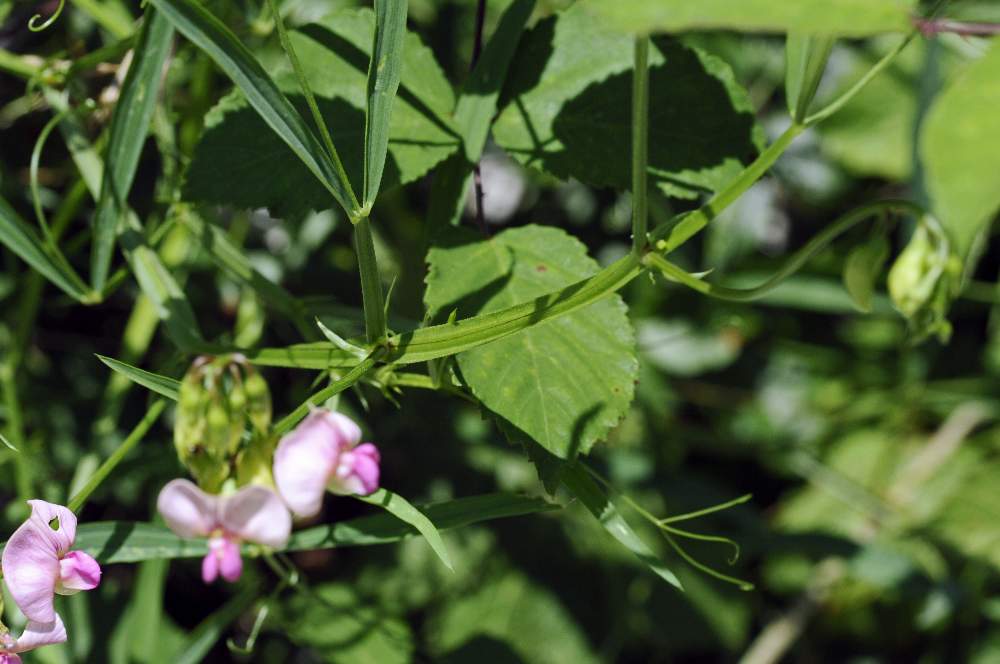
[334, 55]
[959, 145]
[568, 115]
[127, 136]
[850, 18]
[398, 506]
[333, 621]
[565, 382]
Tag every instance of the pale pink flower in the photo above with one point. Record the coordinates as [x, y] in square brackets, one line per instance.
[37, 562]
[252, 514]
[34, 636]
[322, 453]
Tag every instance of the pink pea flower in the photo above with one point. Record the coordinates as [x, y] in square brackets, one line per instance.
[252, 514]
[37, 562]
[34, 636]
[322, 453]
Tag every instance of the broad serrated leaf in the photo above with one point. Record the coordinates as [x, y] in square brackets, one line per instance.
[207, 32]
[564, 382]
[569, 113]
[960, 147]
[854, 18]
[335, 622]
[509, 615]
[239, 162]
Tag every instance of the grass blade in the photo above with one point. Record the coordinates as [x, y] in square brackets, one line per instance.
[383, 82]
[576, 480]
[400, 508]
[24, 241]
[208, 33]
[167, 387]
[129, 126]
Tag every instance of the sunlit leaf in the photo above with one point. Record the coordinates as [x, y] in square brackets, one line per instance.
[564, 382]
[960, 146]
[854, 18]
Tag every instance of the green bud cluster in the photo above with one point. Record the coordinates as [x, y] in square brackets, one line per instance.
[219, 398]
[925, 279]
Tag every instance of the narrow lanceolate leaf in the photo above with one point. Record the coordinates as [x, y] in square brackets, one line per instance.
[22, 239]
[129, 125]
[159, 285]
[208, 33]
[854, 18]
[564, 382]
[239, 162]
[960, 145]
[474, 112]
[128, 542]
[156, 281]
[478, 102]
[7, 443]
[162, 385]
[404, 511]
[805, 61]
[383, 81]
[579, 483]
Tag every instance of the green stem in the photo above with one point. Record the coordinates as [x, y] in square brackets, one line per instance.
[849, 94]
[371, 283]
[25, 66]
[640, 143]
[15, 431]
[350, 378]
[77, 501]
[286, 45]
[668, 239]
[794, 263]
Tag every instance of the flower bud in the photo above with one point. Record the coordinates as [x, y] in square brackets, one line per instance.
[258, 401]
[924, 280]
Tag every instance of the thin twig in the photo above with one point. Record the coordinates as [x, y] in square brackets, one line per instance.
[477, 175]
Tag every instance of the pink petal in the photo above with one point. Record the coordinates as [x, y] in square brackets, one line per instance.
[230, 563]
[9, 658]
[77, 571]
[307, 457]
[31, 562]
[188, 511]
[62, 524]
[210, 567]
[38, 634]
[358, 471]
[256, 514]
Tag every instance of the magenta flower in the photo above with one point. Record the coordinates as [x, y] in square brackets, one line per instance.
[252, 514]
[37, 563]
[322, 453]
[34, 636]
